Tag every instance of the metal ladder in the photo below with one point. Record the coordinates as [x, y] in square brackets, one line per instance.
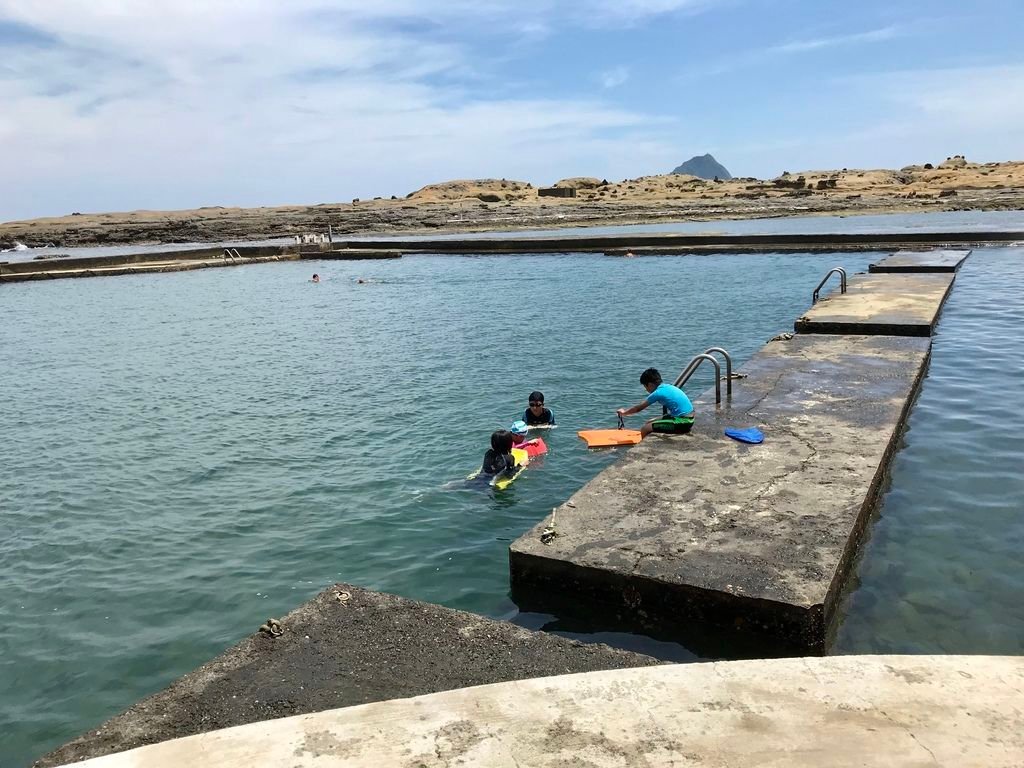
[231, 253]
[708, 354]
[842, 282]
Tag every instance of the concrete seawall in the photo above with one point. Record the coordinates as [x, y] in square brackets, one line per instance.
[672, 243]
[173, 261]
[616, 245]
[744, 550]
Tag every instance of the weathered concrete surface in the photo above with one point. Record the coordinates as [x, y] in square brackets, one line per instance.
[847, 711]
[676, 243]
[689, 532]
[921, 261]
[336, 652]
[174, 261]
[345, 254]
[889, 305]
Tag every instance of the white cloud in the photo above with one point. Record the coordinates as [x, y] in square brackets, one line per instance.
[642, 8]
[891, 119]
[153, 104]
[963, 100]
[612, 78]
[871, 36]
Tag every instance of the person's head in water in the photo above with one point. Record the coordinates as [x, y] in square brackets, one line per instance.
[501, 441]
[650, 379]
[536, 402]
[518, 430]
[316, 278]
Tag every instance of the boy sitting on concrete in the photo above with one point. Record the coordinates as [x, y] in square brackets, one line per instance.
[678, 417]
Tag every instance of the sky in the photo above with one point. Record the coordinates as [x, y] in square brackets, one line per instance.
[113, 105]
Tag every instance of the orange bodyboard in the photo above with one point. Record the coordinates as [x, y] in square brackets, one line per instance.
[604, 438]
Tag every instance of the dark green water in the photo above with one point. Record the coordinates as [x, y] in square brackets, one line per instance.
[943, 571]
[187, 454]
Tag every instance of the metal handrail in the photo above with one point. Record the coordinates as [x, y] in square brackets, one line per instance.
[231, 253]
[728, 367]
[694, 364]
[842, 283]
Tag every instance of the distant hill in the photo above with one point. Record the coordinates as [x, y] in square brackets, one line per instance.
[704, 167]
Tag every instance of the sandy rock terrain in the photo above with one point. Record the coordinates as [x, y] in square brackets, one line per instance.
[480, 204]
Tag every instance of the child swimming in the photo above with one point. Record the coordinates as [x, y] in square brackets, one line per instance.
[498, 459]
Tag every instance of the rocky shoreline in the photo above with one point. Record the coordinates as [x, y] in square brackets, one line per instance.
[500, 204]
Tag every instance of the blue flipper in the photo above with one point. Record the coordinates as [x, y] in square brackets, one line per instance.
[753, 435]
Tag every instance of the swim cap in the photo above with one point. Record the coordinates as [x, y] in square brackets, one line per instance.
[518, 427]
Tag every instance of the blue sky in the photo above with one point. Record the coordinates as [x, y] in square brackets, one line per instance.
[129, 104]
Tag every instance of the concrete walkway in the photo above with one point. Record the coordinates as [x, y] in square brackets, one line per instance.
[54, 271]
[921, 261]
[880, 304]
[698, 530]
[904, 711]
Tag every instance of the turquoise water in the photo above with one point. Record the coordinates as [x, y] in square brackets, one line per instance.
[944, 570]
[186, 454]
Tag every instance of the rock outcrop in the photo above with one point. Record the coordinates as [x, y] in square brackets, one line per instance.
[704, 167]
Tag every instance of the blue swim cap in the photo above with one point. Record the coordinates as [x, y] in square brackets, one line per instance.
[518, 427]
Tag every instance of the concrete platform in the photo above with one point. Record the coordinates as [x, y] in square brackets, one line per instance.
[901, 711]
[67, 270]
[683, 243]
[689, 534]
[921, 261]
[365, 647]
[361, 254]
[880, 304]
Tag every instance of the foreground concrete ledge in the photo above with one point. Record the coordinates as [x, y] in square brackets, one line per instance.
[881, 304]
[904, 711]
[336, 652]
[921, 261]
[688, 533]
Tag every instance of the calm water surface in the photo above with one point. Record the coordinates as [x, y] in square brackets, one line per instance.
[186, 454]
[944, 569]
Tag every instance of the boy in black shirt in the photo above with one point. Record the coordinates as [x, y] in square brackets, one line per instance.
[536, 414]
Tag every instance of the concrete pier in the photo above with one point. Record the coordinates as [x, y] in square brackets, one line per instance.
[844, 712]
[643, 243]
[346, 646]
[689, 534]
[617, 245]
[933, 260]
[886, 304]
[174, 261]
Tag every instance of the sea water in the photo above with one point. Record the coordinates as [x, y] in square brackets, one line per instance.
[186, 454]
